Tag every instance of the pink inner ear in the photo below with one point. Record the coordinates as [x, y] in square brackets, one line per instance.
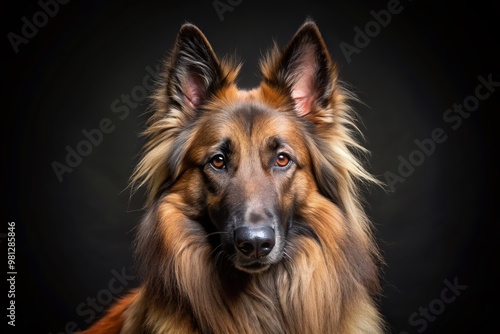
[194, 90]
[303, 89]
[303, 101]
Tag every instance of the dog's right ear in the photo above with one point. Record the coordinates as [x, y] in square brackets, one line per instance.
[191, 75]
[193, 71]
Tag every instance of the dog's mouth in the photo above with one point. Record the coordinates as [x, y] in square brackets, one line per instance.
[253, 267]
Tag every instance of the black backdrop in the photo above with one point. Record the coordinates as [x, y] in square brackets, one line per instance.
[87, 65]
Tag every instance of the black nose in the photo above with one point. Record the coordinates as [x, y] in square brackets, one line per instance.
[254, 241]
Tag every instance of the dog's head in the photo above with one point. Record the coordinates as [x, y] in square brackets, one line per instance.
[245, 163]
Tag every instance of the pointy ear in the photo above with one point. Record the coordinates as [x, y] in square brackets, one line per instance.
[303, 70]
[194, 71]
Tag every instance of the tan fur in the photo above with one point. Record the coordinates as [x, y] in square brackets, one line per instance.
[113, 321]
[328, 285]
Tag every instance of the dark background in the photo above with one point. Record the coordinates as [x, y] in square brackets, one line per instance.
[73, 236]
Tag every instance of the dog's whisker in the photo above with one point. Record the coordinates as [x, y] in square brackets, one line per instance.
[216, 249]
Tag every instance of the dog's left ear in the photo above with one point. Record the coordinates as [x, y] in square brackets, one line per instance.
[304, 70]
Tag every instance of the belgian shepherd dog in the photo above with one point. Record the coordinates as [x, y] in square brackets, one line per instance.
[254, 220]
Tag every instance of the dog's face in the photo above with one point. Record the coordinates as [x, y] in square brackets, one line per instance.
[251, 162]
[244, 162]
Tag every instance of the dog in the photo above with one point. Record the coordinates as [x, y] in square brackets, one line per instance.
[254, 220]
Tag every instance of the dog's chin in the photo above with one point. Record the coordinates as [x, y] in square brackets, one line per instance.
[255, 267]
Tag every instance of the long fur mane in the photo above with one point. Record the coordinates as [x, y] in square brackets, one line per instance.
[326, 283]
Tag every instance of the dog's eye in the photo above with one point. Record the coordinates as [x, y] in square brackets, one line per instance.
[218, 162]
[282, 160]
